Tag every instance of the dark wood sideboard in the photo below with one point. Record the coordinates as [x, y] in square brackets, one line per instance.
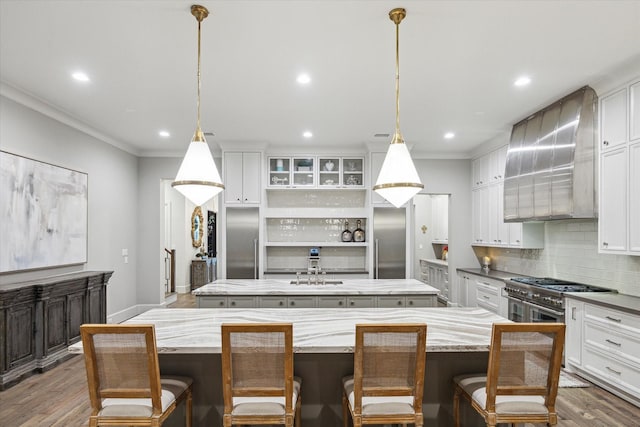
[40, 318]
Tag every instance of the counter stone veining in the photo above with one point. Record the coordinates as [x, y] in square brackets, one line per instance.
[265, 287]
[197, 330]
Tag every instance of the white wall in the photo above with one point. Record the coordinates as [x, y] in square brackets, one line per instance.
[113, 213]
[452, 177]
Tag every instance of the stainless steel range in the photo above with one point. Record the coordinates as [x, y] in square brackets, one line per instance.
[540, 299]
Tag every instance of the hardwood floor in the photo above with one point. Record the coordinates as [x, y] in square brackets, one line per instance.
[59, 398]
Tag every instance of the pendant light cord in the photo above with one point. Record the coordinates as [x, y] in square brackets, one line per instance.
[198, 130]
[398, 135]
[200, 13]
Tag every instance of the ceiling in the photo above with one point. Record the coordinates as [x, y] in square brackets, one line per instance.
[458, 62]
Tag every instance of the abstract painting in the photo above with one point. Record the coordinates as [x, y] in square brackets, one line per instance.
[43, 214]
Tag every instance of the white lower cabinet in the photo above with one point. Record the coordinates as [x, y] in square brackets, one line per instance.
[439, 278]
[573, 319]
[463, 286]
[608, 352]
[481, 291]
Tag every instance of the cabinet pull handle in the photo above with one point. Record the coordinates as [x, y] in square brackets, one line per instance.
[605, 142]
[339, 302]
[613, 370]
[233, 303]
[614, 319]
[399, 302]
[605, 244]
[293, 303]
[410, 302]
[221, 303]
[617, 344]
[352, 303]
[573, 313]
[485, 297]
[281, 303]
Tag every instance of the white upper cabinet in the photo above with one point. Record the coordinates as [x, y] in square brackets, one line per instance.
[242, 177]
[634, 116]
[480, 171]
[497, 161]
[489, 228]
[619, 216]
[613, 200]
[634, 198]
[613, 120]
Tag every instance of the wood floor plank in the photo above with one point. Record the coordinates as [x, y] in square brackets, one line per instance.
[59, 398]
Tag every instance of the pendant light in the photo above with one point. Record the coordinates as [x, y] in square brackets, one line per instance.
[198, 178]
[398, 180]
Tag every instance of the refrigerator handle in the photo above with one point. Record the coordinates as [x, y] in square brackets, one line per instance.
[255, 258]
[376, 258]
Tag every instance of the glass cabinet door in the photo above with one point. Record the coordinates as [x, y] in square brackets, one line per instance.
[304, 171]
[353, 171]
[279, 171]
[328, 172]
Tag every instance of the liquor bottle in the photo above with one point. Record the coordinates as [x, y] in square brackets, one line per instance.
[358, 233]
[347, 236]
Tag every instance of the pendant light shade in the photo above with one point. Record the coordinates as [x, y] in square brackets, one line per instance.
[398, 180]
[198, 178]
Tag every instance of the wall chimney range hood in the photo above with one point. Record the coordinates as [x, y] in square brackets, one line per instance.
[551, 168]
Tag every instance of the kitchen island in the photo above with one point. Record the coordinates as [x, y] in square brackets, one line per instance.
[189, 343]
[351, 293]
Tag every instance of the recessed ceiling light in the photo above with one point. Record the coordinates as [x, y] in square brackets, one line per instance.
[522, 81]
[164, 134]
[307, 134]
[449, 135]
[80, 76]
[303, 79]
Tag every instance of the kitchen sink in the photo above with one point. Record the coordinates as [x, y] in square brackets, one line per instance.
[313, 282]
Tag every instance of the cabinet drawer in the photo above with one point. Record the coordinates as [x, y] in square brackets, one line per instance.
[612, 342]
[613, 318]
[487, 296]
[241, 302]
[422, 301]
[301, 302]
[361, 302]
[612, 371]
[332, 302]
[390, 302]
[212, 302]
[273, 302]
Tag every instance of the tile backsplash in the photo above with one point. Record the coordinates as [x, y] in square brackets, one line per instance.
[570, 253]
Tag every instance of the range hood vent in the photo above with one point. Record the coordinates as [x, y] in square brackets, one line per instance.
[551, 171]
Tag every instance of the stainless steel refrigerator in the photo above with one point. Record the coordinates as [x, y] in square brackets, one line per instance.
[389, 252]
[242, 243]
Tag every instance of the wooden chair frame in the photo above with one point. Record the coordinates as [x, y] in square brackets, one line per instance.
[292, 409]
[355, 413]
[96, 393]
[549, 392]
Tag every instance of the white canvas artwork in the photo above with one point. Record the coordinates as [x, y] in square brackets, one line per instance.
[43, 214]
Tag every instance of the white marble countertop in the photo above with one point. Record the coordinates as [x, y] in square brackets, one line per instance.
[347, 287]
[197, 330]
